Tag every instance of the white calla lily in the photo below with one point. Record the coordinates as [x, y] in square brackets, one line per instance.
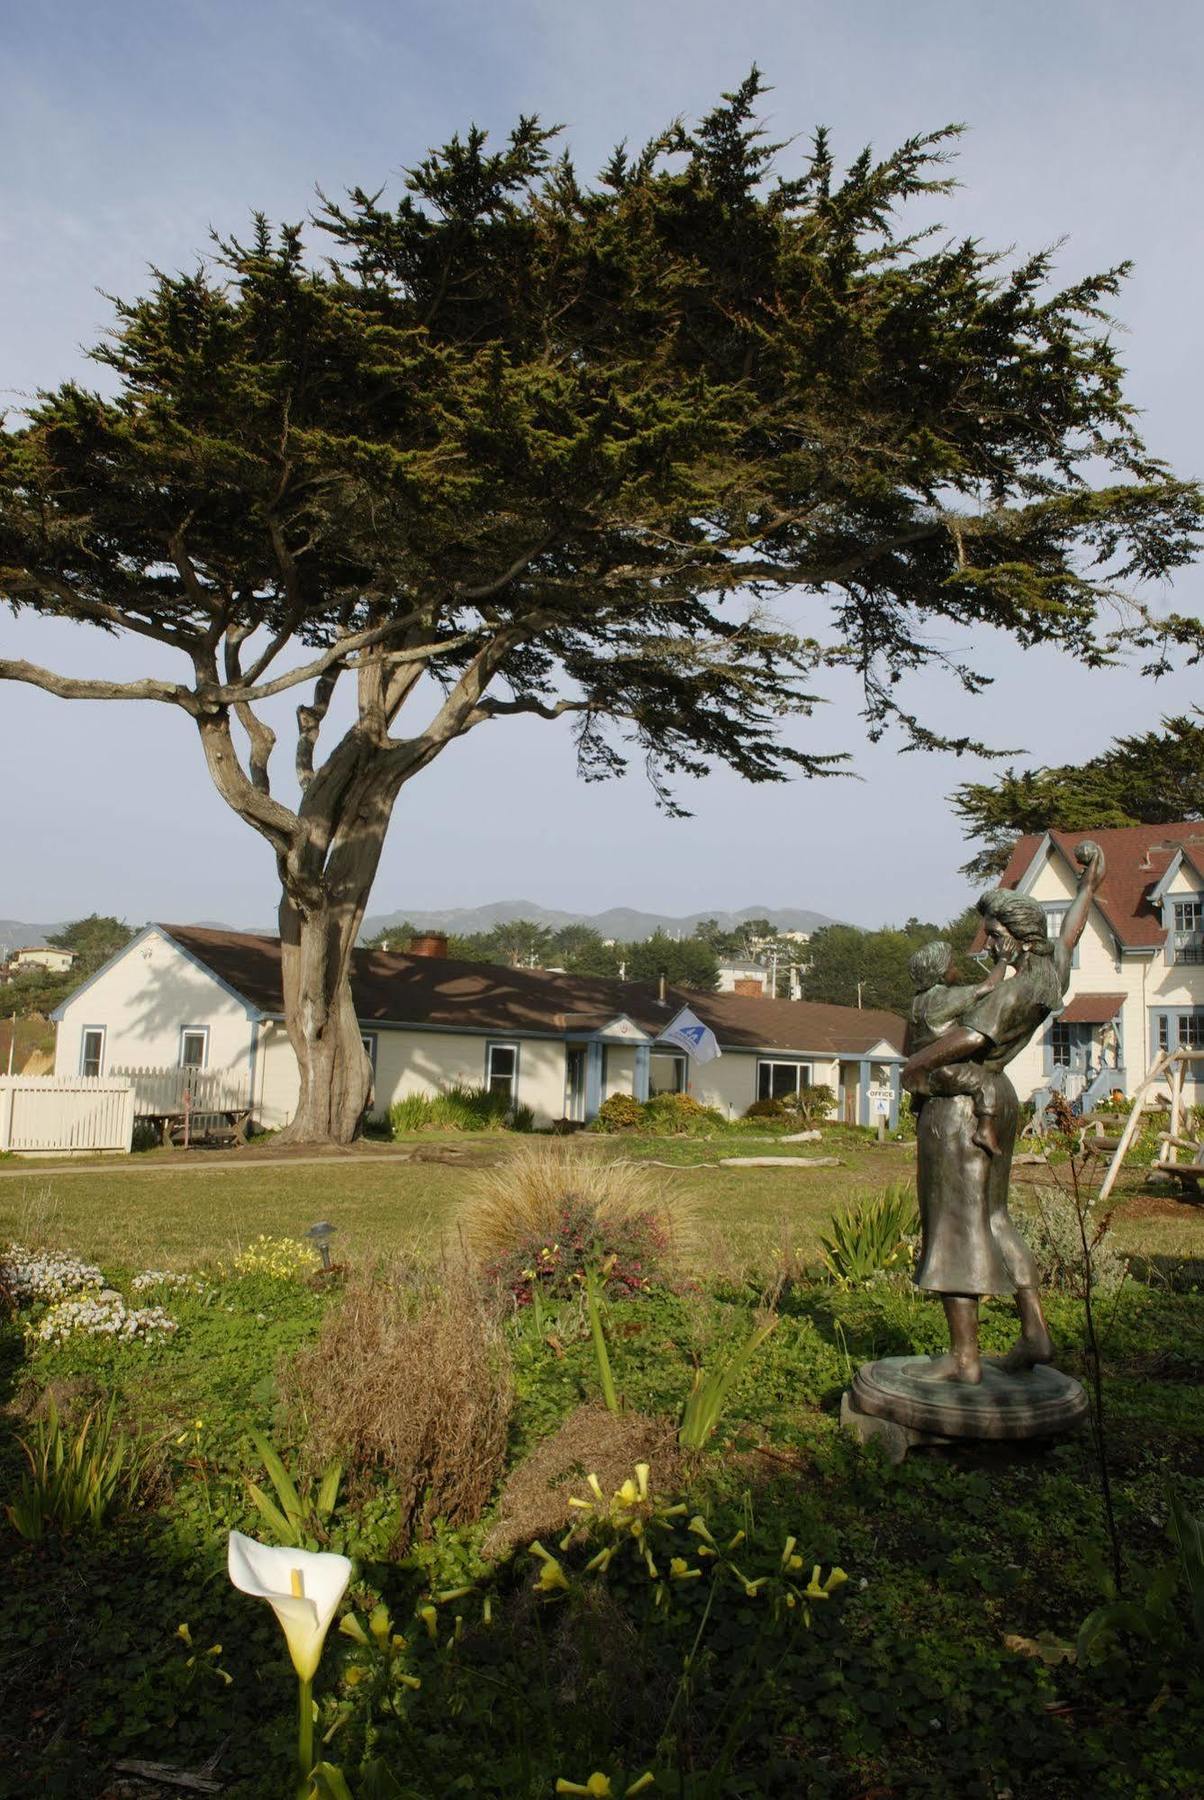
[302, 1587]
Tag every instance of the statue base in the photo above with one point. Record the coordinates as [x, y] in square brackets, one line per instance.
[900, 1392]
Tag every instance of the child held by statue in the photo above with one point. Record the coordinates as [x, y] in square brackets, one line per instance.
[939, 1004]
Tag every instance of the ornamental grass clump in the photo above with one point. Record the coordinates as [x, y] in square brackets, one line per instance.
[409, 1383]
[541, 1221]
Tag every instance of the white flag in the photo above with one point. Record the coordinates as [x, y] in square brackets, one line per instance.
[688, 1033]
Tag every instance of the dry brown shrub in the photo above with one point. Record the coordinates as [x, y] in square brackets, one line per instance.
[522, 1199]
[591, 1441]
[409, 1378]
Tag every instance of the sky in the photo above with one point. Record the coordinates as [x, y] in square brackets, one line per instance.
[130, 130]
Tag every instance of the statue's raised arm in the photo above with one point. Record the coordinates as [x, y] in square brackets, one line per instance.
[1090, 859]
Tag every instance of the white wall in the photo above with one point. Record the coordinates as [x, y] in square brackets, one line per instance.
[417, 1062]
[144, 1001]
[1146, 981]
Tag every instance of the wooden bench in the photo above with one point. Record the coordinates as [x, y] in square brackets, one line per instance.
[1187, 1174]
[199, 1127]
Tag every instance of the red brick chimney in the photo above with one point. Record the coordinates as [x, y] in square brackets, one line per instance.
[429, 943]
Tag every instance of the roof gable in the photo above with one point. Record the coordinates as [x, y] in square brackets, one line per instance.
[1140, 860]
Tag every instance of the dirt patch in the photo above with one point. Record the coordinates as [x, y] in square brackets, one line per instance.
[591, 1441]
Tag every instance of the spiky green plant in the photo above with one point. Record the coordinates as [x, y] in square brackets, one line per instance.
[707, 1400]
[75, 1480]
[303, 1515]
[872, 1238]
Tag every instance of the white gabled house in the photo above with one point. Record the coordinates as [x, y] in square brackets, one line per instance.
[185, 996]
[1137, 981]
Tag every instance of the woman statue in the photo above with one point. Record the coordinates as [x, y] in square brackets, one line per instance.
[969, 1245]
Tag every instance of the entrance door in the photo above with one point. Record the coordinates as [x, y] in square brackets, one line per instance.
[574, 1083]
[850, 1074]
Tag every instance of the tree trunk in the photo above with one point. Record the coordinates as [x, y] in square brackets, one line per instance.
[336, 1074]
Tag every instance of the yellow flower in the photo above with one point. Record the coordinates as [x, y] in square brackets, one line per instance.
[679, 1570]
[182, 1631]
[350, 1627]
[379, 1622]
[596, 1788]
[836, 1579]
[430, 1619]
[628, 1493]
[551, 1577]
[641, 1475]
[813, 1589]
[788, 1552]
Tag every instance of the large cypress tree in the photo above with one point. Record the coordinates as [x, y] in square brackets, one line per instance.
[1149, 778]
[526, 445]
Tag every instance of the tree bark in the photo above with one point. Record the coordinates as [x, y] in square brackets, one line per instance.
[335, 1073]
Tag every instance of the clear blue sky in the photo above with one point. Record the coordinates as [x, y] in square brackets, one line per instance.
[129, 129]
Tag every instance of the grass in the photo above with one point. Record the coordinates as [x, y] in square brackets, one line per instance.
[179, 1210]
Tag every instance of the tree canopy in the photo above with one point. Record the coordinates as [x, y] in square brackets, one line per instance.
[1151, 778]
[524, 444]
[93, 939]
[852, 967]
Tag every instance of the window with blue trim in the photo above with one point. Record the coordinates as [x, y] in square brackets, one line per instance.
[1060, 1037]
[1181, 1028]
[1055, 917]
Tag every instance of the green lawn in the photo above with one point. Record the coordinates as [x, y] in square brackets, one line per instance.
[168, 1208]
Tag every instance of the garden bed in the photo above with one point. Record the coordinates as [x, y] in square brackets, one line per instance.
[945, 1662]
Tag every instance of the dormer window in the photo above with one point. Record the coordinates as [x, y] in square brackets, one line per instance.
[1185, 943]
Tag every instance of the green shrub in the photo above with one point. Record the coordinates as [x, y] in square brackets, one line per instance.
[1049, 1220]
[873, 1238]
[766, 1109]
[673, 1115]
[458, 1108]
[619, 1112]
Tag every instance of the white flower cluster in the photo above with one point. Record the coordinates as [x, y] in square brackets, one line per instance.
[166, 1278]
[45, 1274]
[100, 1315]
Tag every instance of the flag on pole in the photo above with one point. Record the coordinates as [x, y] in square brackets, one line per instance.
[687, 1032]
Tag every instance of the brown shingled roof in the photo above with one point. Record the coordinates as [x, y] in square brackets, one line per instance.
[1092, 1009]
[1137, 857]
[436, 991]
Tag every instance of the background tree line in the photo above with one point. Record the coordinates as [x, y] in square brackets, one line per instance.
[39, 991]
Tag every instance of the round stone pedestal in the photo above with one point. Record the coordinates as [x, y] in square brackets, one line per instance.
[1038, 1403]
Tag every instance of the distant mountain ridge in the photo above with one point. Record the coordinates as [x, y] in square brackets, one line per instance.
[18, 934]
[625, 923]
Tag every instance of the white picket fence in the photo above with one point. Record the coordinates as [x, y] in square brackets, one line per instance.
[162, 1093]
[68, 1114]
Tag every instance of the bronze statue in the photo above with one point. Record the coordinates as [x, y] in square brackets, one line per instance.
[967, 1124]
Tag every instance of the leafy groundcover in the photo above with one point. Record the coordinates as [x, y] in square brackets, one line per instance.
[793, 1616]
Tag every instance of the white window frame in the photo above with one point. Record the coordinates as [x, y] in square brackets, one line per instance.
[101, 1031]
[502, 1044]
[682, 1065]
[201, 1031]
[369, 1040]
[801, 1070]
